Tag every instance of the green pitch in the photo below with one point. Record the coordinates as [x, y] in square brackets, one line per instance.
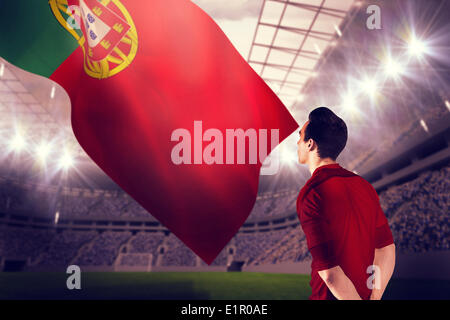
[190, 285]
[156, 285]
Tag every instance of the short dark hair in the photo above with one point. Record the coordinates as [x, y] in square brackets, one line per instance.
[328, 131]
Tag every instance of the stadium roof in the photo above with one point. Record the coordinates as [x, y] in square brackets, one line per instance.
[290, 38]
[34, 108]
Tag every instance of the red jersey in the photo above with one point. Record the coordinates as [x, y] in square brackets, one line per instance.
[343, 222]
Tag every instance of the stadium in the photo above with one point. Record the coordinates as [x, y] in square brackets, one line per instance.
[391, 86]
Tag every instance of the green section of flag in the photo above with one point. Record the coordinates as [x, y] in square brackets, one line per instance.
[31, 37]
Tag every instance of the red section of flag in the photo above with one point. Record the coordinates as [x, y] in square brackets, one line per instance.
[185, 70]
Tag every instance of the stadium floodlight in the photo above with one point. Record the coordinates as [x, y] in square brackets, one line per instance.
[66, 160]
[52, 92]
[369, 86]
[393, 68]
[18, 142]
[424, 125]
[338, 30]
[416, 47]
[288, 155]
[319, 52]
[300, 98]
[43, 151]
[447, 104]
[349, 102]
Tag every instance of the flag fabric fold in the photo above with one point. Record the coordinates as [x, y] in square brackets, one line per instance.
[136, 73]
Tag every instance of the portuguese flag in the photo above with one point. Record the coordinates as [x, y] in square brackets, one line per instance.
[155, 88]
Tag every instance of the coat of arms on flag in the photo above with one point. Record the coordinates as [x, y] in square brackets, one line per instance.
[108, 35]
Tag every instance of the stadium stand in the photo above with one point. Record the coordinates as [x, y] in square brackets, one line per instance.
[103, 249]
[62, 249]
[146, 242]
[72, 204]
[429, 116]
[20, 243]
[250, 245]
[177, 254]
[417, 210]
[418, 214]
[135, 260]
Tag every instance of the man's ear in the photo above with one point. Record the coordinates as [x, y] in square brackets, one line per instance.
[312, 145]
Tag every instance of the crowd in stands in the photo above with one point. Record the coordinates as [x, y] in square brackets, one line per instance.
[176, 253]
[119, 206]
[146, 242]
[103, 250]
[14, 198]
[141, 250]
[221, 259]
[24, 243]
[274, 205]
[430, 115]
[290, 248]
[63, 248]
[250, 245]
[135, 260]
[418, 213]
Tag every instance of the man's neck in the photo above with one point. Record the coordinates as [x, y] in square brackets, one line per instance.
[318, 163]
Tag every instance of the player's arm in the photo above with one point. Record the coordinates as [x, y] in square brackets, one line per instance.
[339, 284]
[384, 257]
[385, 260]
